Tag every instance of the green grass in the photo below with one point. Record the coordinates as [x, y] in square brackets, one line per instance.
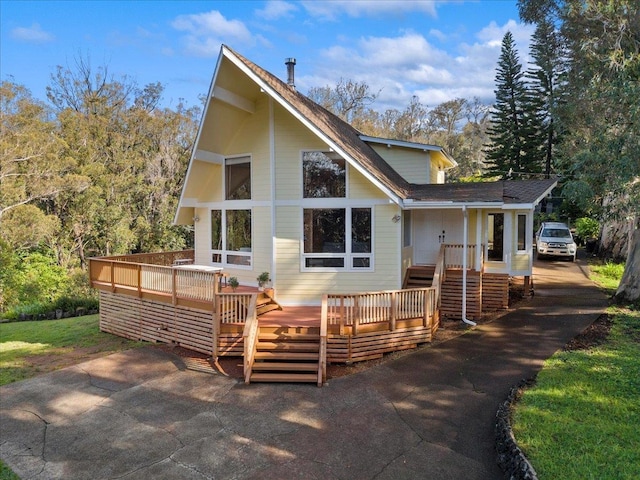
[580, 420]
[30, 348]
[607, 275]
[6, 473]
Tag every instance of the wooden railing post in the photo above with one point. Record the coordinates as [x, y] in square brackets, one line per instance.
[113, 280]
[356, 314]
[426, 307]
[139, 281]
[322, 361]
[394, 307]
[174, 278]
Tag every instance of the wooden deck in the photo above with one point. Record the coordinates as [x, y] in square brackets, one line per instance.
[194, 308]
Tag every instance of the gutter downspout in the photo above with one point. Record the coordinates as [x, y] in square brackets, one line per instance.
[465, 247]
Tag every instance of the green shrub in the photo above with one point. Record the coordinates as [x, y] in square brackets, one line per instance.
[587, 228]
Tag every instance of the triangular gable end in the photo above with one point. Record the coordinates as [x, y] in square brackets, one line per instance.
[243, 65]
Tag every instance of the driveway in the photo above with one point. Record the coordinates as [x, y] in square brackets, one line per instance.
[428, 414]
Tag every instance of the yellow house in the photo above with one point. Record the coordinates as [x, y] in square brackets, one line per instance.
[279, 184]
[364, 244]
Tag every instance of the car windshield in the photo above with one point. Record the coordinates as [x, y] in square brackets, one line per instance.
[556, 233]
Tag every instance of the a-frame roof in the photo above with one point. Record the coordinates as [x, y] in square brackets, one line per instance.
[355, 148]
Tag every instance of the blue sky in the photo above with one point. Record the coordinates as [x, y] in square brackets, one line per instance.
[437, 50]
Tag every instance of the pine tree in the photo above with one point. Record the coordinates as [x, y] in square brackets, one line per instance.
[544, 81]
[509, 153]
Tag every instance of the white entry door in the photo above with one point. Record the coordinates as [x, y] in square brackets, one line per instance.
[431, 229]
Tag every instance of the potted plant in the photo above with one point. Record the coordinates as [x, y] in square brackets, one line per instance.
[233, 283]
[263, 279]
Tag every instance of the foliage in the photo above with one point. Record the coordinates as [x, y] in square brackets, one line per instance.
[513, 149]
[24, 345]
[6, 473]
[233, 283]
[587, 228]
[587, 402]
[263, 278]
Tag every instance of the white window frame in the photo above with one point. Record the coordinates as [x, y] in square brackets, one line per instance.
[527, 240]
[236, 160]
[504, 232]
[326, 152]
[348, 256]
[224, 252]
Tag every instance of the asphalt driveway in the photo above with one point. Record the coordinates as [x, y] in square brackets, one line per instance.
[429, 414]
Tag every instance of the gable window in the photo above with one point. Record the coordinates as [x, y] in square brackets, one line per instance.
[495, 240]
[324, 175]
[337, 238]
[237, 178]
[231, 237]
[522, 233]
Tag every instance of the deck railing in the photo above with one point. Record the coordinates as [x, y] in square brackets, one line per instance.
[174, 284]
[454, 256]
[160, 258]
[359, 309]
[233, 308]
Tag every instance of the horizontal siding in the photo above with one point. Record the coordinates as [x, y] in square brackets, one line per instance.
[412, 164]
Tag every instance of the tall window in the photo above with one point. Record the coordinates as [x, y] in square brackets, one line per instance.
[237, 178]
[495, 244]
[522, 233]
[231, 237]
[337, 238]
[324, 175]
[406, 228]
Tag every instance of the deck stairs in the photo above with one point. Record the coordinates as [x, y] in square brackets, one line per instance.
[287, 354]
[266, 303]
[419, 276]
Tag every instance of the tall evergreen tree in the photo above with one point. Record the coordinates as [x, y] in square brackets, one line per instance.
[510, 152]
[544, 81]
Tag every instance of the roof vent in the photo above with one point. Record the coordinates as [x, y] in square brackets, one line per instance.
[290, 63]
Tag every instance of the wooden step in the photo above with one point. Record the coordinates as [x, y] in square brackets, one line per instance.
[284, 377]
[267, 307]
[286, 366]
[289, 337]
[271, 355]
[288, 346]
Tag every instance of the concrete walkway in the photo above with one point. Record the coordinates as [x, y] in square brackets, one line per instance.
[429, 414]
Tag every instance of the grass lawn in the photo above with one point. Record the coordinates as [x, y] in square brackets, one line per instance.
[580, 420]
[31, 348]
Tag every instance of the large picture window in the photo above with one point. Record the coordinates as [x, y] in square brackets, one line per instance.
[337, 238]
[231, 237]
[324, 175]
[237, 174]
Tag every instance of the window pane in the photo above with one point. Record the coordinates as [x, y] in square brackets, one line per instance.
[406, 228]
[496, 236]
[324, 262]
[239, 230]
[216, 258]
[361, 230]
[324, 230]
[238, 181]
[239, 260]
[216, 229]
[324, 175]
[522, 232]
[361, 262]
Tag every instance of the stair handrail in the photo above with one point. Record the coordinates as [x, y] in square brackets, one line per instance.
[322, 354]
[439, 274]
[250, 337]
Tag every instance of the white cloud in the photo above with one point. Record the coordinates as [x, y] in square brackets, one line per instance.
[276, 9]
[206, 31]
[406, 65]
[332, 9]
[492, 35]
[32, 34]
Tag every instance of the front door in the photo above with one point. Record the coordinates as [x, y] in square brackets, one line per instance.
[432, 228]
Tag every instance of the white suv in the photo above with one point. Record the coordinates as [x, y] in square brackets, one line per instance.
[555, 240]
